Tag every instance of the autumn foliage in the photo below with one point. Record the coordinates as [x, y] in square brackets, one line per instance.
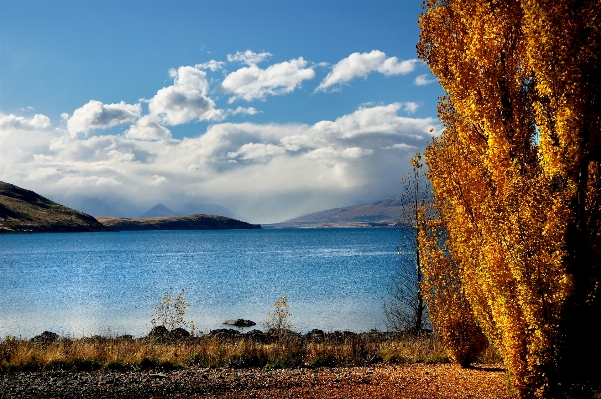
[516, 176]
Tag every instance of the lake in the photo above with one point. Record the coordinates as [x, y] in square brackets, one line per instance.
[82, 284]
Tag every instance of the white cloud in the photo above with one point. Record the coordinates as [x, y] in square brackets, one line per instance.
[156, 180]
[356, 153]
[148, 128]
[378, 120]
[13, 122]
[243, 111]
[362, 64]
[250, 83]
[96, 115]
[185, 100]
[422, 80]
[248, 57]
[257, 151]
[401, 146]
[410, 107]
[264, 172]
[212, 65]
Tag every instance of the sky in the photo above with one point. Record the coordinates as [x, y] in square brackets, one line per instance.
[272, 109]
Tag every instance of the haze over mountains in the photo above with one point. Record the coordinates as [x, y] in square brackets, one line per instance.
[161, 210]
[120, 209]
[384, 213]
[24, 211]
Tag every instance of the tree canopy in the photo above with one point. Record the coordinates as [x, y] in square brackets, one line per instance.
[516, 176]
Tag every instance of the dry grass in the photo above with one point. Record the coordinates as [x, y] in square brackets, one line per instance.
[289, 351]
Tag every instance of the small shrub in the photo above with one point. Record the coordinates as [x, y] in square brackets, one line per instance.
[12, 368]
[148, 363]
[278, 320]
[170, 312]
[86, 365]
[117, 365]
[30, 366]
[197, 359]
[168, 365]
[324, 361]
[246, 361]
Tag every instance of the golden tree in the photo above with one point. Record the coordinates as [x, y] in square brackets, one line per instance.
[516, 177]
[443, 292]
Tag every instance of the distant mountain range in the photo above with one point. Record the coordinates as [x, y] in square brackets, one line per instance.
[161, 210]
[121, 208]
[24, 211]
[383, 213]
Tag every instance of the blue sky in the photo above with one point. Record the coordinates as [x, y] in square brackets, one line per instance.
[270, 108]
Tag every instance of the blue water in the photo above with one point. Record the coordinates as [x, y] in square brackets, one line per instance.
[109, 283]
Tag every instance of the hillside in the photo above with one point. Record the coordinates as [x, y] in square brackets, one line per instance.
[191, 222]
[24, 211]
[160, 210]
[383, 213]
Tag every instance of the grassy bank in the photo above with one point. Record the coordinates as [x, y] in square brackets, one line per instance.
[214, 351]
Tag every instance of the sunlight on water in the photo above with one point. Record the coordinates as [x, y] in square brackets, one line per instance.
[100, 283]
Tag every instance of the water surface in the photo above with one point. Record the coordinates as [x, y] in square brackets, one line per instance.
[98, 283]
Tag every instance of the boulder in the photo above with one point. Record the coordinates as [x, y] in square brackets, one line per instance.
[316, 335]
[46, 337]
[240, 323]
[256, 336]
[178, 333]
[158, 332]
[225, 333]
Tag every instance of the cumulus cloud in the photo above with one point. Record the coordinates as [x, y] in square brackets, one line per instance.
[400, 146]
[422, 80]
[356, 152]
[264, 172]
[212, 65]
[250, 83]
[257, 151]
[243, 111]
[410, 107]
[375, 121]
[248, 57]
[13, 122]
[148, 128]
[96, 115]
[362, 64]
[185, 100]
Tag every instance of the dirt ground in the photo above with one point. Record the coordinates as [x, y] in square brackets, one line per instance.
[382, 381]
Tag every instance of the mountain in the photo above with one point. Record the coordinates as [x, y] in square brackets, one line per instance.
[23, 211]
[161, 210]
[383, 213]
[207, 209]
[114, 207]
[192, 222]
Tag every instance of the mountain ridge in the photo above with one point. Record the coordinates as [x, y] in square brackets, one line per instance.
[383, 213]
[189, 222]
[24, 211]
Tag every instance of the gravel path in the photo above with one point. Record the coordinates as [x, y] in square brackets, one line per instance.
[382, 381]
